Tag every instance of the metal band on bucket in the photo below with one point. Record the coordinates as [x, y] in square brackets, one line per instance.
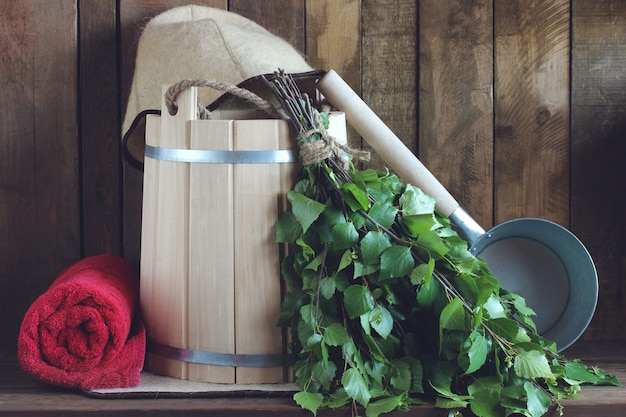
[279, 156]
[220, 359]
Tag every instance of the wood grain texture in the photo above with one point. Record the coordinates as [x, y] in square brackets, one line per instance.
[389, 70]
[531, 160]
[100, 142]
[257, 196]
[166, 248]
[211, 320]
[283, 18]
[333, 38]
[598, 148]
[39, 168]
[455, 100]
[333, 41]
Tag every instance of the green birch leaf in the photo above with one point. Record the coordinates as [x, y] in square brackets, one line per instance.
[361, 270]
[346, 259]
[477, 353]
[486, 383]
[373, 245]
[486, 398]
[367, 176]
[417, 374]
[432, 243]
[578, 371]
[315, 263]
[381, 320]
[305, 210]
[364, 319]
[532, 364]
[447, 403]
[376, 352]
[306, 251]
[384, 405]
[384, 213]
[466, 285]
[336, 335]
[324, 352]
[395, 262]
[401, 378]
[327, 287]
[357, 300]
[538, 401]
[314, 340]
[494, 308]
[519, 303]
[355, 386]
[453, 316]
[356, 198]
[307, 313]
[504, 327]
[309, 400]
[330, 217]
[288, 228]
[419, 223]
[429, 295]
[324, 373]
[344, 236]
[337, 398]
[423, 273]
[450, 398]
[414, 201]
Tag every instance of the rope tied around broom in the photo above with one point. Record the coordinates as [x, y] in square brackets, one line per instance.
[310, 152]
[327, 146]
[203, 112]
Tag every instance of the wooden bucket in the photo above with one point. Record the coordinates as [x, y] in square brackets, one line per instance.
[210, 266]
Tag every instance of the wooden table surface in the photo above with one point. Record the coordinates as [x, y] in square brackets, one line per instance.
[22, 395]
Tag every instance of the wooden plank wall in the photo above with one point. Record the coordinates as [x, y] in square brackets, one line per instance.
[518, 107]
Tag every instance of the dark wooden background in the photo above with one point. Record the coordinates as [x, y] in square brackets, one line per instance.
[517, 106]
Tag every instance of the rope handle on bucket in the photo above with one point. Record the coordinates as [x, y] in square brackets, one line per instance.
[309, 152]
[203, 112]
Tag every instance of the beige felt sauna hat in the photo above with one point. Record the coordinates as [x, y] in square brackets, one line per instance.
[198, 42]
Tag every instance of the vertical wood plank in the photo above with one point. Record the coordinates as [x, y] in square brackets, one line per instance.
[169, 250]
[389, 70]
[100, 126]
[532, 109]
[133, 16]
[149, 288]
[455, 100]
[39, 190]
[283, 18]
[598, 148]
[333, 41]
[257, 189]
[211, 252]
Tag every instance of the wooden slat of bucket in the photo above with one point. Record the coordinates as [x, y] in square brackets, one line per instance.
[149, 225]
[288, 175]
[211, 252]
[170, 304]
[257, 269]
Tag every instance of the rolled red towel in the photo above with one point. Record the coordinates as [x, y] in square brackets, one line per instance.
[83, 332]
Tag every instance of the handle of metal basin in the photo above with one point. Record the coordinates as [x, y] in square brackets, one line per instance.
[394, 152]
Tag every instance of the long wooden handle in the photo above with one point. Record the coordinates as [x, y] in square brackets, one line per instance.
[384, 142]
